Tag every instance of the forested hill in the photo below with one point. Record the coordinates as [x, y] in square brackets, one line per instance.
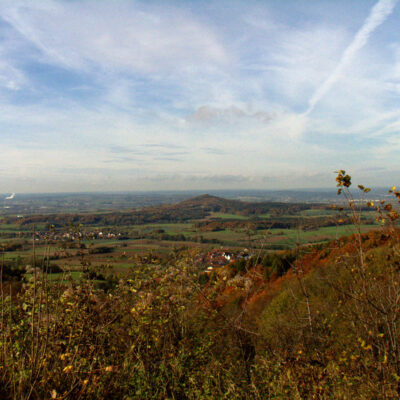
[209, 203]
[199, 207]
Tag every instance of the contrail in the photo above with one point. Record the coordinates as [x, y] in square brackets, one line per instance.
[379, 12]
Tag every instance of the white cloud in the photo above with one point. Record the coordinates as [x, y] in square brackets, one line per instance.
[220, 100]
[378, 14]
[10, 77]
[232, 114]
[116, 37]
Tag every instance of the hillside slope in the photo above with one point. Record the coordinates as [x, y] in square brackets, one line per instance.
[313, 323]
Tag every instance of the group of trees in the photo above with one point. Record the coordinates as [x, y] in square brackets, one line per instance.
[306, 223]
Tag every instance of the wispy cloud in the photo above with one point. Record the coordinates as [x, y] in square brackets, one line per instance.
[10, 77]
[115, 37]
[165, 95]
[210, 114]
[378, 14]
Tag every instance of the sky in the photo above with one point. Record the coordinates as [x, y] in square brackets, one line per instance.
[179, 95]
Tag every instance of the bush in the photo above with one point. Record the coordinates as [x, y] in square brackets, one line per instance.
[101, 250]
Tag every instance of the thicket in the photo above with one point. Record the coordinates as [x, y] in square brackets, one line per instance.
[308, 223]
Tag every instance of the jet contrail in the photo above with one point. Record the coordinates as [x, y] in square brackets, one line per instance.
[379, 12]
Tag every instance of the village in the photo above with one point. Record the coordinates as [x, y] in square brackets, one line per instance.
[219, 257]
[70, 236]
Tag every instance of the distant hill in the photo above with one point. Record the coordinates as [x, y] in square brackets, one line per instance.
[210, 203]
[196, 208]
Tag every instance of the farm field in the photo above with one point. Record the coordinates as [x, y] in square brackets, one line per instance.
[99, 245]
[118, 257]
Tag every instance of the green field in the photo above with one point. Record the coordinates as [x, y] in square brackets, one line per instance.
[126, 253]
[317, 212]
[227, 216]
[142, 242]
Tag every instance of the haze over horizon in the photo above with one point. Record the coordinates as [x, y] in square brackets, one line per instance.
[198, 95]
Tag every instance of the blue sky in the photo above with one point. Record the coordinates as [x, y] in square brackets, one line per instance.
[142, 95]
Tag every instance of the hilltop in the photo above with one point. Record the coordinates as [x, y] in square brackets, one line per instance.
[214, 203]
[210, 202]
[195, 208]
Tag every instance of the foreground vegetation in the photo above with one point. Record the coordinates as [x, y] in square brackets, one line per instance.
[315, 322]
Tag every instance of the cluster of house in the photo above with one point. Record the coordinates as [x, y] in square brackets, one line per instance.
[220, 257]
[71, 236]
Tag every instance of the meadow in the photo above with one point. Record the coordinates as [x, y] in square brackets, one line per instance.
[109, 251]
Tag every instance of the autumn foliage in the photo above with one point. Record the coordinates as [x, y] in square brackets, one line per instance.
[319, 322]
